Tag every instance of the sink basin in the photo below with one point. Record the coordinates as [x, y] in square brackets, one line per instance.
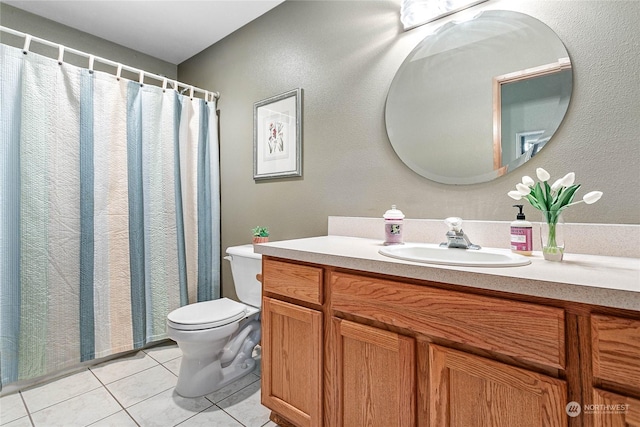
[434, 254]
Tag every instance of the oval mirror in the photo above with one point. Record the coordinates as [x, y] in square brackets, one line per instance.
[477, 99]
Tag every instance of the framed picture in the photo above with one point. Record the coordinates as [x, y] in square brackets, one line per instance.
[277, 136]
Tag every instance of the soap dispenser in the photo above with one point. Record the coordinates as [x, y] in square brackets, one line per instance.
[393, 226]
[521, 234]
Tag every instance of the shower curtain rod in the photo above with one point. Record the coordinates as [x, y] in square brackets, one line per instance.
[28, 38]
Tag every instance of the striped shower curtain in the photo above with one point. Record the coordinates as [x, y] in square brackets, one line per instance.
[109, 212]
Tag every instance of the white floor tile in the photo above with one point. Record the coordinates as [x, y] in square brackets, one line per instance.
[12, 408]
[20, 422]
[138, 387]
[119, 419]
[164, 352]
[137, 381]
[167, 409]
[235, 386]
[78, 411]
[116, 369]
[270, 424]
[213, 416]
[49, 394]
[245, 406]
[173, 365]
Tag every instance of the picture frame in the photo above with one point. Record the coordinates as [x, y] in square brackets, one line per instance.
[277, 136]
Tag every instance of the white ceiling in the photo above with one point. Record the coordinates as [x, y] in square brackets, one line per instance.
[167, 29]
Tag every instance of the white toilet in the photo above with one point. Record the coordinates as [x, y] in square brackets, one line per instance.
[217, 337]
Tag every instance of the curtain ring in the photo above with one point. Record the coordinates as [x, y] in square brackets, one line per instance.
[118, 72]
[91, 60]
[60, 54]
[27, 43]
[141, 79]
[164, 85]
[191, 93]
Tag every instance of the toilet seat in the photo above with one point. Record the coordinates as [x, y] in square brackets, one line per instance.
[206, 315]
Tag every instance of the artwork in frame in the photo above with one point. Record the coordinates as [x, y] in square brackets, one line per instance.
[277, 136]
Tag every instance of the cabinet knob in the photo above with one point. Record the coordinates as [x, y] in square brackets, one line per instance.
[259, 277]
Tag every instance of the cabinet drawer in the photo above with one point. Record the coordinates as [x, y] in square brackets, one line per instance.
[297, 281]
[527, 331]
[616, 349]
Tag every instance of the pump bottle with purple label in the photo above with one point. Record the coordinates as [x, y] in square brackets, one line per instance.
[393, 226]
[521, 234]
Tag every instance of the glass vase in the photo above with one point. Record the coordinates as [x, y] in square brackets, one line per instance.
[552, 235]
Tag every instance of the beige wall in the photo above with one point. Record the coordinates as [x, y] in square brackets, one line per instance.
[344, 55]
[37, 26]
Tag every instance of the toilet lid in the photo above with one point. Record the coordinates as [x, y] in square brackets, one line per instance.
[207, 314]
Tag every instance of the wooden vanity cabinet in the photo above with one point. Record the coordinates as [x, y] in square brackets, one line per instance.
[344, 349]
[457, 388]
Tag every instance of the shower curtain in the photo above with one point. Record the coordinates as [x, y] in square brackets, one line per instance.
[109, 212]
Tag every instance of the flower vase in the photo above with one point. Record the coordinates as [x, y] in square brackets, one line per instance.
[260, 239]
[552, 235]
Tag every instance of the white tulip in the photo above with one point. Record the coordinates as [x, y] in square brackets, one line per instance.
[556, 185]
[542, 174]
[568, 179]
[515, 195]
[589, 198]
[592, 197]
[528, 181]
[523, 189]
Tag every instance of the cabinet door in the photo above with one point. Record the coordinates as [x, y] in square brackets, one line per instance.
[616, 350]
[292, 362]
[468, 390]
[376, 376]
[613, 410]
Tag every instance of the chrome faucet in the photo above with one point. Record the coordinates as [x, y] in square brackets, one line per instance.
[456, 237]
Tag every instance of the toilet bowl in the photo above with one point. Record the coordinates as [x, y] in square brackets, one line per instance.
[217, 337]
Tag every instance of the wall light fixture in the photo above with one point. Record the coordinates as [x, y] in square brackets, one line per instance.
[414, 13]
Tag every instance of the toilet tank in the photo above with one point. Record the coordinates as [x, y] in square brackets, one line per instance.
[245, 265]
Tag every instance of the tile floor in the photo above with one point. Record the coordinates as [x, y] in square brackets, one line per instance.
[134, 390]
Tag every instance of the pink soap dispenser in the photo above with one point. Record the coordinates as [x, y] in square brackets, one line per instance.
[393, 226]
[521, 234]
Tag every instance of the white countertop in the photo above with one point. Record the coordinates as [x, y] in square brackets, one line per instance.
[591, 279]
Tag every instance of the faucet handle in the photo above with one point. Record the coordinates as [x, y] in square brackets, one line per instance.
[454, 223]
